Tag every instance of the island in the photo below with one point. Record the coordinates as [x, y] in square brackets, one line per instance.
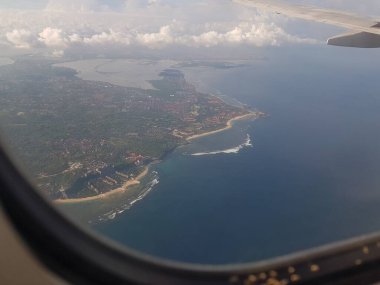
[80, 140]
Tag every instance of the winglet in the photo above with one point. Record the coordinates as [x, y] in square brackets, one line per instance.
[357, 40]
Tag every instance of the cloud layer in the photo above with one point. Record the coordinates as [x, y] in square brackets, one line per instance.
[152, 24]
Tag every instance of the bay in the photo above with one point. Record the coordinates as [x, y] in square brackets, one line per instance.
[310, 178]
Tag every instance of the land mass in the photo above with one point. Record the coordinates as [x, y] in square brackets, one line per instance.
[83, 140]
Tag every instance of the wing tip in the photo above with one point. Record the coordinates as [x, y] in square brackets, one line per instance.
[356, 40]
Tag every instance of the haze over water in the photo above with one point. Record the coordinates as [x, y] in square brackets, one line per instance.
[310, 178]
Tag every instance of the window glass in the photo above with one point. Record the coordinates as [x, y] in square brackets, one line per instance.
[209, 132]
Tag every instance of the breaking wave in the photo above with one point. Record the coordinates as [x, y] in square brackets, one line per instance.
[234, 150]
[121, 209]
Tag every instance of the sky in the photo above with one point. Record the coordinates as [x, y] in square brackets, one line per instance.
[60, 27]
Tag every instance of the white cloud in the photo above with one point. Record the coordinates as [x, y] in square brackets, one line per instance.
[152, 24]
[259, 34]
[75, 38]
[109, 37]
[154, 40]
[207, 39]
[52, 37]
[20, 38]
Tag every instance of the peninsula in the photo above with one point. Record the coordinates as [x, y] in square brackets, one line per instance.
[83, 140]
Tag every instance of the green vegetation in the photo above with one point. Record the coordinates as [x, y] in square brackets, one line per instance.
[81, 138]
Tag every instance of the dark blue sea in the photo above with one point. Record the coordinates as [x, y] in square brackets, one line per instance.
[311, 176]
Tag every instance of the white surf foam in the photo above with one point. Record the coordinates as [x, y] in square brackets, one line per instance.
[121, 209]
[234, 150]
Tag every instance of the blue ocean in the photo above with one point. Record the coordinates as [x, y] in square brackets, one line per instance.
[306, 174]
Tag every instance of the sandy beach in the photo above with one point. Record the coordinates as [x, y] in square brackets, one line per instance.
[227, 127]
[121, 189]
[137, 180]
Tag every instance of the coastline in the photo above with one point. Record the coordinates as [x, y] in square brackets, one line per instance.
[121, 189]
[228, 126]
[138, 179]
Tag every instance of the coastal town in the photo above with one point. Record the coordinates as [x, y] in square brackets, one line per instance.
[82, 139]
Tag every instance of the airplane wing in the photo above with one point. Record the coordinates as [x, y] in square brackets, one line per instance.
[364, 33]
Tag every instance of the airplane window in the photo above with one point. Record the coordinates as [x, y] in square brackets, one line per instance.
[204, 132]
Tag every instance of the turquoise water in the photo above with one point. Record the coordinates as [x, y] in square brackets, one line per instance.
[310, 178]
